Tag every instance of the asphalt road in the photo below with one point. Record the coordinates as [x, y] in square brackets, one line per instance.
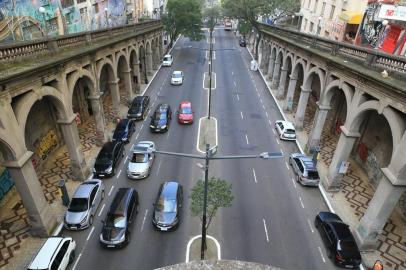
[271, 220]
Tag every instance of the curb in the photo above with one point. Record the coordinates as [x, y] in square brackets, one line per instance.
[197, 237]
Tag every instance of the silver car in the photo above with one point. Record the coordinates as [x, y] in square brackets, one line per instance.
[305, 169]
[84, 204]
[141, 160]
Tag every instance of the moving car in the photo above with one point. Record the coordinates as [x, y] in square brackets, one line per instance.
[167, 61]
[123, 209]
[177, 77]
[55, 253]
[185, 113]
[286, 130]
[138, 108]
[167, 206]
[161, 118]
[84, 204]
[108, 158]
[141, 161]
[124, 130]
[242, 42]
[305, 169]
[337, 237]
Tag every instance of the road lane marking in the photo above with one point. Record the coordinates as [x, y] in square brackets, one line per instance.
[294, 183]
[263, 107]
[246, 138]
[77, 260]
[301, 202]
[101, 210]
[238, 97]
[232, 72]
[142, 125]
[287, 165]
[255, 177]
[167, 134]
[136, 137]
[143, 220]
[321, 254]
[111, 189]
[266, 231]
[190, 242]
[125, 160]
[310, 225]
[235, 84]
[261, 100]
[118, 175]
[277, 140]
[90, 233]
[267, 114]
[270, 123]
[242, 116]
[282, 151]
[159, 167]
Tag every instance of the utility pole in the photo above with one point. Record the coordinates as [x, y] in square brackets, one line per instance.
[210, 56]
[203, 246]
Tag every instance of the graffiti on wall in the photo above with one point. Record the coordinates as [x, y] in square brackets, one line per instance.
[46, 144]
[373, 169]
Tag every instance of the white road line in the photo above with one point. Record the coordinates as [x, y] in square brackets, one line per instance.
[263, 107]
[246, 138]
[238, 97]
[277, 140]
[310, 225]
[136, 137]
[270, 123]
[287, 165]
[301, 202]
[118, 175]
[145, 217]
[235, 84]
[266, 231]
[77, 260]
[255, 177]
[111, 189]
[132, 146]
[90, 233]
[159, 167]
[282, 151]
[294, 183]
[125, 160]
[321, 254]
[242, 116]
[167, 134]
[101, 210]
[261, 101]
[232, 72]
[142, 125]
[267, 114]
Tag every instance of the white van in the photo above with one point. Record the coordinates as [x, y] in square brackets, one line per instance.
[167, 61]
[55, 254]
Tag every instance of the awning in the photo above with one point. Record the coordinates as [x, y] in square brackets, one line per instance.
[351, 17]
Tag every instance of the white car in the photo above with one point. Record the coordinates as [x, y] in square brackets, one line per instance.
[141, 161]
[55, 253]
[177, 77]
[286, 130]
[167, 61]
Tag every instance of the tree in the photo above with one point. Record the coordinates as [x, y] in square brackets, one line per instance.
[183, 17]
[249, 11]
[212, 14]
[218, 195]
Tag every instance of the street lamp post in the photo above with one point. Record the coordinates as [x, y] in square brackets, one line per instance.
[210, 155]
[105, 16]
[42, 10]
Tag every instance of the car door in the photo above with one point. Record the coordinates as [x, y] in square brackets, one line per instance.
[279, 127]
[93, 200]
[295, 165]
[146, 105]
[61, 259]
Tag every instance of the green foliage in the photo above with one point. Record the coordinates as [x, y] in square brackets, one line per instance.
[244, 27]
[212, 14]
[218, 195]
[183, 17]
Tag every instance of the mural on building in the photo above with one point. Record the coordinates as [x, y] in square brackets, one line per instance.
[30, 19]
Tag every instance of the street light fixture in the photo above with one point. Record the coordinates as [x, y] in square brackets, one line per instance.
[42, 10]
[105, 16]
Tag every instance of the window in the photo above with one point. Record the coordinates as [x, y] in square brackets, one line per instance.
[308, 4]
[96, 8]
[59, 257]
[67, 3]
[332, 11]
[93, 194]
[323, 8]
[305, 24]
[311, 26]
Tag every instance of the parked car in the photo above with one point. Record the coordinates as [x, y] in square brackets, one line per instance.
[242, 42]
[124, 130]
[286, 130]
[161, 118]
[56, 253]
[84, 204]
[116, 227]
[167, 61]
[108, 159]
[139, 108]
[167, 206]
[337, 237]
[141, 161]
[185, 113]
[305, 169]
[177, 77]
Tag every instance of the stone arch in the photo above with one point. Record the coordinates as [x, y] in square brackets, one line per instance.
[309, 77]
[288, 55]
[277, 67]
[134, 62]
[124, 75]
[327, 93]
[299, 61]
[99, 66]
[7, 152]
[72, 80]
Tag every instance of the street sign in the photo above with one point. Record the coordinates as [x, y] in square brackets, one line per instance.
[269, 155]
[213, 150]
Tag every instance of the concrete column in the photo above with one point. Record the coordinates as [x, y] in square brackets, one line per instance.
[271, 68]
[161, 51]
[343, 149]
[282, 83]
[276, 75]
[41, 218]
[317, 127]
[115, 97]
[98, 113]
[148, 63]
[155, 59]
[301, 108]
[380, 208]
[136, 73]
[288, 104]
[264, 55]
[128, 84]
[71, 136]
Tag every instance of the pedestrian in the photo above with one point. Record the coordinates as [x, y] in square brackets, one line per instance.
[377, 265]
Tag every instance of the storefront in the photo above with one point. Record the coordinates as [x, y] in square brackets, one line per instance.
[346, 26]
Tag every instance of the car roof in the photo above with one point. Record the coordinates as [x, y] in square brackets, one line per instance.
[308, 162]
[167, 55]
[185, 104]
[109, 146]
[287, 124]
[162, 106]
[177, 72]
[119, 204]
[45, 254]
[138, 99]
[341, 230]
[169, 189]
[83, 190]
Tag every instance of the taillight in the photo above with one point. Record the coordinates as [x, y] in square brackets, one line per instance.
[339, 258]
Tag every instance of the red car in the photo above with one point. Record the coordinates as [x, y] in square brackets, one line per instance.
[185, 113]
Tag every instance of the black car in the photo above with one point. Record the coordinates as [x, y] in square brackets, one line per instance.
[108, 158]
[340, 244]
[243, 42]
[161, 118]
[116, 227]
[124, 130]
[139, 108]
[167, 206]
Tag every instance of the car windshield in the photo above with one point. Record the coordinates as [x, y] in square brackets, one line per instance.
[167, 58]
[166, 206]
[78, 205]
[121, 126]
[290, 131]
[117, 221]
[160, 116]
[186, 110]
[176, 75]
[313, 175]
[139, 158]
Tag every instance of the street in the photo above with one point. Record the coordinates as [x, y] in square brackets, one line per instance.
[271, 218]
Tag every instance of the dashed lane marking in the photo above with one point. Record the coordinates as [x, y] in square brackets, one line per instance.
[301, 202]
[77, 260]
[159, 167]
[310, 225]
[321, 254]
[125, 160]
[270, 123]
[287, 165]
[242, 116]
[238, 97]
[255, 177]
[118, 175]
[282, 151]
[266, 231]
[90, 233]
[111, 189]
[101, 210]
[267, 116]
[294, 183]
[246, 138]
[143, 220]
[277, 141]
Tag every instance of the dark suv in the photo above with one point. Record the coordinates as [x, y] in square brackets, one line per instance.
[161, 118]
[124, 130]
[139, 108]
[116, 227]
[167, 206]
[108, 158]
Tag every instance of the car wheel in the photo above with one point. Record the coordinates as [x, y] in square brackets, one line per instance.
[90, 220]
[72, 256]
[290, 161]
[297, 178]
